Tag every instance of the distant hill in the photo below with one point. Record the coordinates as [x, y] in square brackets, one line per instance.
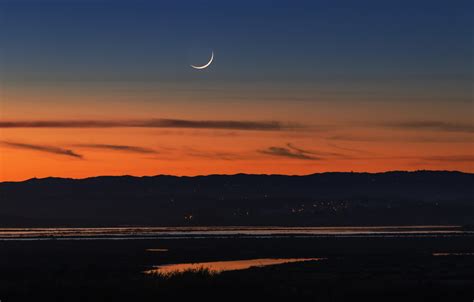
[422, 197]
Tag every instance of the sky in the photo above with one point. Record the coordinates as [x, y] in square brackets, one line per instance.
[105, 87]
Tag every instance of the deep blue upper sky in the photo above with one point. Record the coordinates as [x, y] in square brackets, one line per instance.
[299, 41]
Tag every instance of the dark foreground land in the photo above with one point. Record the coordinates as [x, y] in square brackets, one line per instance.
[375, 269]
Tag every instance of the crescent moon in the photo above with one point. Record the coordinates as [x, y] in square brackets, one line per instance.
[206, 65]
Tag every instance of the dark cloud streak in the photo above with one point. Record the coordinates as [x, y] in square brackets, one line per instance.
[125, 148]
[289, 152]
[155, 123]
[43, 148]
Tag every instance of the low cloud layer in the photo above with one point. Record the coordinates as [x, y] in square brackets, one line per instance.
[154, 123]
[43, 148]
[124, 148]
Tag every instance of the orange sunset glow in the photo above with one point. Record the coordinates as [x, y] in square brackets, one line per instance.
[333, 135]
[86, 101]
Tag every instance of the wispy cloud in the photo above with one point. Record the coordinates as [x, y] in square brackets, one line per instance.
[156, 123]
[409, 139]
[313, 152]
[217, 155]
[291, 152]
[431, 125]
[424, 159]
[42, 148]
[450, 158]
[124, 148]
[351, 149]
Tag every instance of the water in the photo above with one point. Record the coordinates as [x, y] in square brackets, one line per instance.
[216, 267]
[128, 233]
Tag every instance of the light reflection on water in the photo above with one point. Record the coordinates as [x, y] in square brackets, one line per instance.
[156, 250]
[219, 232]
[453, 254]
[216, 267]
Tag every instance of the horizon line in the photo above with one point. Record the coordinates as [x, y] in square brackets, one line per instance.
[235, 174]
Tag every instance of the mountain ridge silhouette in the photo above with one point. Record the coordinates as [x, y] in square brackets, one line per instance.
[330, 198]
